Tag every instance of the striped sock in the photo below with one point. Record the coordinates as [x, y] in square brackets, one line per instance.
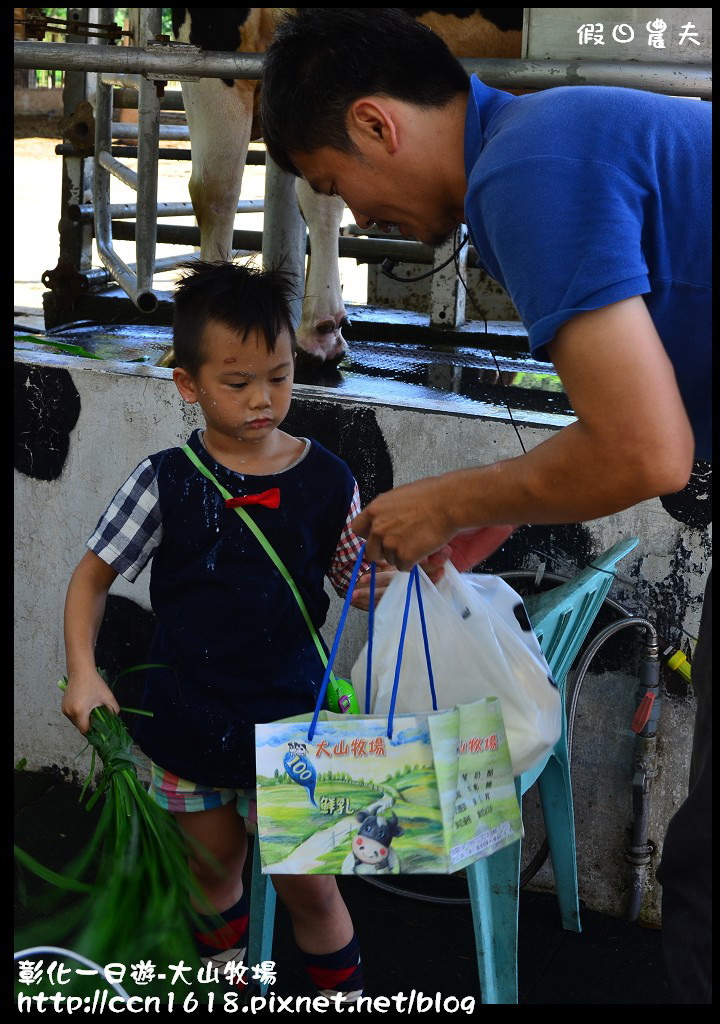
[336, 972]
[219, 944]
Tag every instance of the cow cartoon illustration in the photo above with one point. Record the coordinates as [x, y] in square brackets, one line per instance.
[371, 853]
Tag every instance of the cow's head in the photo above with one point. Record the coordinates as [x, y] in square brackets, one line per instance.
[371, 845]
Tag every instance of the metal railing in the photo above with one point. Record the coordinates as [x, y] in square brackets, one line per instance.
[185, 61]
[146, 70]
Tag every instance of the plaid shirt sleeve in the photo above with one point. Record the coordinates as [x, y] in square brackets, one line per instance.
[347, 551]
[130, 528]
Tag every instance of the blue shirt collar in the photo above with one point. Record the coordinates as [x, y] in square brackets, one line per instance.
[484, 102]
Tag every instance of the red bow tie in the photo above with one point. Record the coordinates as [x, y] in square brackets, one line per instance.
[269, 498]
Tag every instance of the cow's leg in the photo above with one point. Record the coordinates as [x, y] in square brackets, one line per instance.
[323, 312]
[219, 118]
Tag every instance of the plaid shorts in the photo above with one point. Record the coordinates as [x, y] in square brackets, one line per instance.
[176, 794]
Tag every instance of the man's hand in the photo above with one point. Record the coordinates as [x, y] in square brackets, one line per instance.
[411, 524]
[405, 525]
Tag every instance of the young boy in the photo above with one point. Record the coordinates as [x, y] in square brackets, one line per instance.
[230, 636]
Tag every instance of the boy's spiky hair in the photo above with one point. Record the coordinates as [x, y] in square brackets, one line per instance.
[239, 295]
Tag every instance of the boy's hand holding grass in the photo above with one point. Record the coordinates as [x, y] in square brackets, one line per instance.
[84, 692]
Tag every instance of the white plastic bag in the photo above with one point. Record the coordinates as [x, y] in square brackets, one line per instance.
[481, 644]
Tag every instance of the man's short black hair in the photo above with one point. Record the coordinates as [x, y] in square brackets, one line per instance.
[240, 296]
[324, 58]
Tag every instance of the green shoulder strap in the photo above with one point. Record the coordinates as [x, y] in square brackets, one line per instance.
[275, 558]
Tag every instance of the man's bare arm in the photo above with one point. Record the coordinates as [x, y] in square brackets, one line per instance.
[631, 441]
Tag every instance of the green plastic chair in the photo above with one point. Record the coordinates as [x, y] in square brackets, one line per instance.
[562, 618]
[262, 899]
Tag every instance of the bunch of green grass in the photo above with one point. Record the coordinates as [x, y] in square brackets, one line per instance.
[133, 883]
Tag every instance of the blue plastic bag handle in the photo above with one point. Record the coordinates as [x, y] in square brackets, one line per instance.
[414, 578]
[371, 633]
[336, 641]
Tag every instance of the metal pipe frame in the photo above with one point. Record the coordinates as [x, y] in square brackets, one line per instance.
[255, 157]
[138, 69]
[364, 250]
[126, 99]
[100, 276]
[167, 132]
[130, 152]
[125, 174]
[75, 240]
[136, 283]
[84, 213]
[680, 80]
[132, 60]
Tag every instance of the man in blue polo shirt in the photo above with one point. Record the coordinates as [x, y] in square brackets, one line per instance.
[591, 206]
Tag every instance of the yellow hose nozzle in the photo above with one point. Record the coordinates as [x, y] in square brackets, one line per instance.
[679, 663]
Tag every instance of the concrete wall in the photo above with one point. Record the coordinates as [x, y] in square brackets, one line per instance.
[83, 425]
[38, 101]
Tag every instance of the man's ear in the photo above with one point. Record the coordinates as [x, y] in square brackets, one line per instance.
[374, 121]
[185, 385]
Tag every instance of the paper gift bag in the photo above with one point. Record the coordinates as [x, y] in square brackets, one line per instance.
[431, 798]
[384, 794]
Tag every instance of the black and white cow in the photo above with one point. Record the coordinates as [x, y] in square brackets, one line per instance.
[371, 853]
[222, 121]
